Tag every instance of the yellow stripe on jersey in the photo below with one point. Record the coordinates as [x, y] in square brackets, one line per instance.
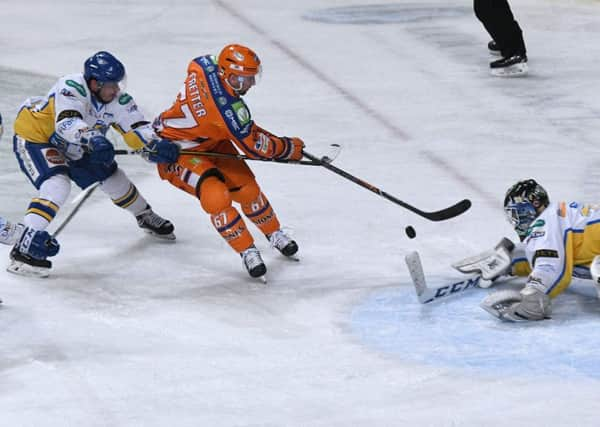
[521, 268]
[562, 210]
[133, 140]
[565, 278]
[36, 124]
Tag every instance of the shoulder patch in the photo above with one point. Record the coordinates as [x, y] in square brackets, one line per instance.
[79, 88]
[125, 98]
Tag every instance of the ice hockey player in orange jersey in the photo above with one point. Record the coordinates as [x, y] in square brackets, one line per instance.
[210, 115]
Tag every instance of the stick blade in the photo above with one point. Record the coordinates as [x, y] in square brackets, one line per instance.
[415, 269]
[449, 212]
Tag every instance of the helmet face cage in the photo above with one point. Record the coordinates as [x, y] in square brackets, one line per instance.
[522, 203]
[521, 215]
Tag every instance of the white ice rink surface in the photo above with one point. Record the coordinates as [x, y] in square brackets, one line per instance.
[130, 332]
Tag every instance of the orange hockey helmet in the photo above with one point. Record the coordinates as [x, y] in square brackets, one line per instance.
[239, 68]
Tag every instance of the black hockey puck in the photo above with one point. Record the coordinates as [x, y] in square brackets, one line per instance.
[410, 232]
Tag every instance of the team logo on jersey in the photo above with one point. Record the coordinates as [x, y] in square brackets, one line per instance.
[536, 234]
[79, 88]
[66, 92]
[54, 156]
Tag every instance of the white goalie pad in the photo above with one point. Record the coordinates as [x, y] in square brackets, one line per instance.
[595, 273]
[490, 264]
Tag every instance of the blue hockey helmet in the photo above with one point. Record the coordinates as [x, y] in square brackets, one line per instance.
[103, 67]
[523, 202]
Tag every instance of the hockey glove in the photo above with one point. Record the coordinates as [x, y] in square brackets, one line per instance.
[293, 150]
[161, 151]
[37, 244]
[72, 151]
[100, 150]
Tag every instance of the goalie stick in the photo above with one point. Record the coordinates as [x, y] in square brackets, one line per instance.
[426, 294]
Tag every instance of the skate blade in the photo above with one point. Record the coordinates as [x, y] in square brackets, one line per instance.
[517, 70]
[167, 237]
[26, 270]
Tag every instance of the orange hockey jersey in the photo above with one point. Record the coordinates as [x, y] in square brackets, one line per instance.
[205, 113]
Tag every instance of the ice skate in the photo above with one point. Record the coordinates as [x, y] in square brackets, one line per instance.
[254, 263]
[25, 265]
[512, 66]
[284, 244]
[154, 224]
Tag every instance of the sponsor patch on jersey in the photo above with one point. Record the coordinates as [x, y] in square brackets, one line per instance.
[68, 113]
[536, 234]
[241, 111]
[125, 98]
[54, 156]
[79, 88]
[544, 253]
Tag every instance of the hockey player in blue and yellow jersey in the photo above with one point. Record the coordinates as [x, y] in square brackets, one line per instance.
[60, 138]
[558, 239]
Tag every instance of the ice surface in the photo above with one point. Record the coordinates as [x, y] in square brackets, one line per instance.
[130, 332]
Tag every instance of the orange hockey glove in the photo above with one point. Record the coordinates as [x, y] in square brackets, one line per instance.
[293, 150]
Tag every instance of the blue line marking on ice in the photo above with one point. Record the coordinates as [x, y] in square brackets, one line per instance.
[459, 334]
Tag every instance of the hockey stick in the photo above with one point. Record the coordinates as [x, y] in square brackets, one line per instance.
[225, 156]
[447, 213]
[77, 201]
[426, 294]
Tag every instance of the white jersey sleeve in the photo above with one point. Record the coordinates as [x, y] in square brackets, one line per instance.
[71, 100]
[128, 113]
[545, 249]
